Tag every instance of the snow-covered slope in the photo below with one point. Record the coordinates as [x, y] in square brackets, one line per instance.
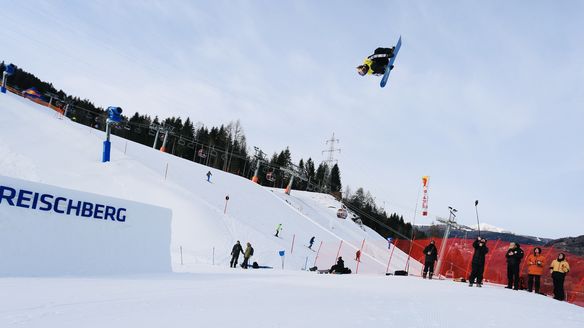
[37, 145]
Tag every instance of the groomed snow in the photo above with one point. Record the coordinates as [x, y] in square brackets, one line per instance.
[218, 297]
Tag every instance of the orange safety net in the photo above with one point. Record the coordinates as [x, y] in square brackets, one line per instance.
[458, 256]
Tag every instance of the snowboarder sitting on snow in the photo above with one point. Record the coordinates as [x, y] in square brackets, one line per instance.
[235, 254]
[376, 63]
[340, 267]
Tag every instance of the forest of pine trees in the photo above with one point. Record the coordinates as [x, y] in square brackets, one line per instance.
[224, 148]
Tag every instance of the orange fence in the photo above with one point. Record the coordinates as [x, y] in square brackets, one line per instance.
[458, 256]
[38, 101]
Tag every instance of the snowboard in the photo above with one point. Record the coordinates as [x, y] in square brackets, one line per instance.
[391, 61]
[309, 248]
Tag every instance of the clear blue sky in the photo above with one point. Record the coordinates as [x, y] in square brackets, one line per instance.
[486, 98]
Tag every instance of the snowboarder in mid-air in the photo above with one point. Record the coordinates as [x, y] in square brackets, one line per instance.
[376, 63]
[380, 63]
[311, 242]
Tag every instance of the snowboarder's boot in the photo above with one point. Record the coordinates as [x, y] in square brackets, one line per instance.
[470, 284]
[430, 276]
[424, 275]
[479, 285]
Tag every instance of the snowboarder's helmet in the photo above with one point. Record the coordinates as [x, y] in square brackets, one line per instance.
[362, 69]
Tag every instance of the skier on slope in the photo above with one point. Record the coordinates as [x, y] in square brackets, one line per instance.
[278, 229]
[478, 261]
[235, 254]
[209, 174]
[376, 64]
[431, 254]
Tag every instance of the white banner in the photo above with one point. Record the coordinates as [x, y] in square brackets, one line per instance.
[48, 230]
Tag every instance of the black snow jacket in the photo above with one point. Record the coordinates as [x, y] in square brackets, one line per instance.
[236, 250]
[479, 253]
[431, 253]
[514, 255]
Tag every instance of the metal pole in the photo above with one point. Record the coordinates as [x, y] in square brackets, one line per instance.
[317, 252]
[213, 255]
[338, 252]
[477, 211]
[181, 256]
[442, 248]
[413, 229]
[156, 138]
[390, 255]
[292, 248]
[163, 148]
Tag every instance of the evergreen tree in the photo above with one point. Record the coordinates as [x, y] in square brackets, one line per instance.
[335, 179]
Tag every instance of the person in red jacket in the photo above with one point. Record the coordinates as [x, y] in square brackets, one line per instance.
[535, 263]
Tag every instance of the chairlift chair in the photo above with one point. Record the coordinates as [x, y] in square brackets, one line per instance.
[182, 142]
[213, 153]
[201, 153]
[270, 176]
[191, 145]
[152, 132]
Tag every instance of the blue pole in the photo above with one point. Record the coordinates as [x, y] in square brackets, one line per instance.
[107, 145]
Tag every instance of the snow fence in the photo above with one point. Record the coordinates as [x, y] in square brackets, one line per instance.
[458, 257]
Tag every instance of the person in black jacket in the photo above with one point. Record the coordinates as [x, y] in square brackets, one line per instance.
[478, 261]
[235, 254]
[431, 254]
[514, 256]
[339, 267]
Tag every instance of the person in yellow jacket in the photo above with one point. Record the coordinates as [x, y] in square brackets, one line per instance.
[376, 63]
[535, 263]
[558, 269]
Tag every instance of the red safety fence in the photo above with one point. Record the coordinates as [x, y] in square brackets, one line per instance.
[458, 256]
[375, 257]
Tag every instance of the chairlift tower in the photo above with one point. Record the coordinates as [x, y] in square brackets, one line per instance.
[259, 156]
[294, 172]
[166, 130]
[450, 223]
